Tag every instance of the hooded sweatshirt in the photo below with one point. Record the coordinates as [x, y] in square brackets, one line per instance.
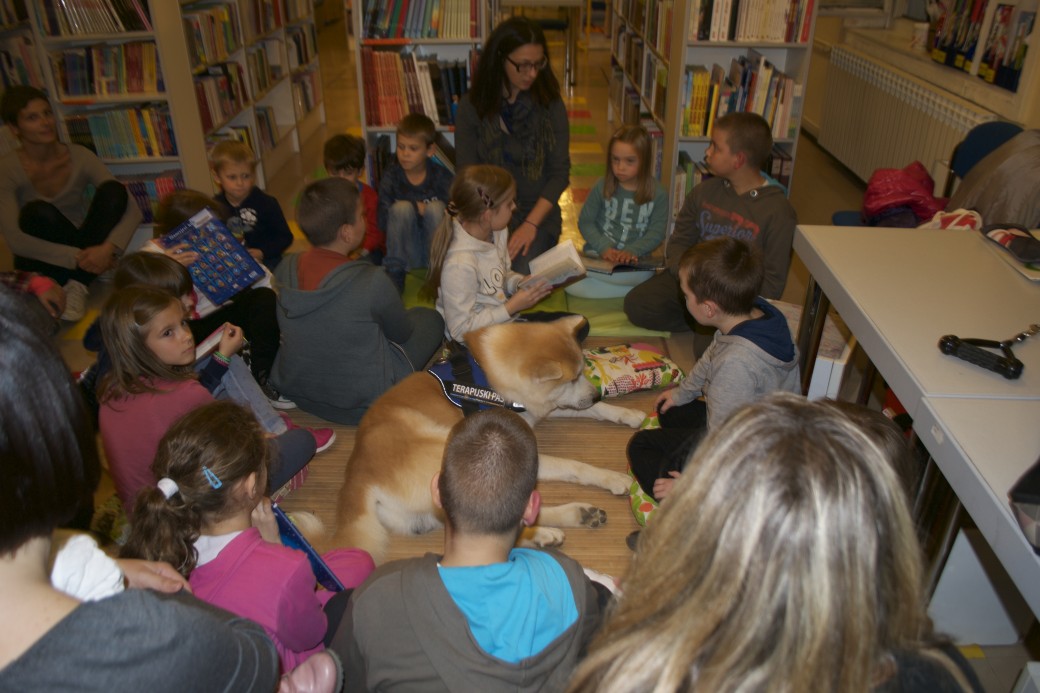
[755, 359]
[339, 347]
[403, 631]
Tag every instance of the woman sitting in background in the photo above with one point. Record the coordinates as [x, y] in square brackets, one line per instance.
[784, 560]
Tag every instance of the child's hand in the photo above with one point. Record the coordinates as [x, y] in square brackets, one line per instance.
[263, 519]
[53, 300]
[258, 255]
[182, 254]
[619, 257]
[231, 340]
[663, 487]
[665, 401]
[153, 575]
[528, 295]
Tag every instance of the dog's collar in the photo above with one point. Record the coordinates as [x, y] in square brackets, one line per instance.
[464, 384]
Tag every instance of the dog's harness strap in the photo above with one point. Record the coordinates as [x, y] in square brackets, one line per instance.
[463, 382]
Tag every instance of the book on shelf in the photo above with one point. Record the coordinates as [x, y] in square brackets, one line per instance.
[558, 265]
[148, 188]
[18, 61]
[221, 93]
[125, 133]
[306, 92]
[12, 12]
[765, 21]
[224, 266]
[106, 70]
[397, 83]
[212, 33]
[444, 152]
[422, 19]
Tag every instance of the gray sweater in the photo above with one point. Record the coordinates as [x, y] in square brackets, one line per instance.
[403, 632]
[141, 641]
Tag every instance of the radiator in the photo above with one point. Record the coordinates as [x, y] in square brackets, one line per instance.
[875, 116]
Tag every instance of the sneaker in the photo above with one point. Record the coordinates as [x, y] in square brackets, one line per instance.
[323, 437]
[275, 398]
[632, 540]
[76, 295]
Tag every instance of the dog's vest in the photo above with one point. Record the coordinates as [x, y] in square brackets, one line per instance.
[464, 384]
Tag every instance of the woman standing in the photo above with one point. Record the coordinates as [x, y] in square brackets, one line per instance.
[513, 117]
[45, 217]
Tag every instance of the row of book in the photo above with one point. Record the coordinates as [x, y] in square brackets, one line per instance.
[652, 20]
[264, 63]
[108, 69]
[297, 9]
[86, 17]
[18, 61]
[125, 133]
[263, 17]
[646, 70]
[12, 12]
[301, 43]
[1005, 50]
[399, 83]
[423, 19]
[212, 33]
[306, 91]
[767, 21]
[753, 85]
[221, 93]
[267, 131]
[985, 38]
[148, 188]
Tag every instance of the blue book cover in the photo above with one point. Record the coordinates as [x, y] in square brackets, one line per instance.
[292, 538]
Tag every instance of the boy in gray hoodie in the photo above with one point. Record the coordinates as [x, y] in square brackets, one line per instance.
[751, 355]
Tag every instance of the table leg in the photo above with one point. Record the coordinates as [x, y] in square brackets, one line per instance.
[810, 330]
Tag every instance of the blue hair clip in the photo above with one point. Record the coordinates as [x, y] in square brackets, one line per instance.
[212, 478]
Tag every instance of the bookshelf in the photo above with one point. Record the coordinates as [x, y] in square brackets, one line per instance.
[676, 66]
[120, 73]
[413, 56]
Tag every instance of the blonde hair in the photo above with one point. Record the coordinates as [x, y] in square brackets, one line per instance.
[475, 190]
[638, 138]
[785, 559]
[231, 152]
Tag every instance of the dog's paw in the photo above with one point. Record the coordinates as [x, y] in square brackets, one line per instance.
[632, 418]
[617, 483]
[593, 517]
[546, 536]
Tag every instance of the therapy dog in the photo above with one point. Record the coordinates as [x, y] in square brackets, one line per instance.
[400, 441]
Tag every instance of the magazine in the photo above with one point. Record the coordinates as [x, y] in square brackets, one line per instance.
[224, 266]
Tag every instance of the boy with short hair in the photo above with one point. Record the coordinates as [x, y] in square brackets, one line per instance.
[256, 217]
[413, 193]
[738, 202]
[344, 157]
[346, 336]
[751, 355]
[484, 616]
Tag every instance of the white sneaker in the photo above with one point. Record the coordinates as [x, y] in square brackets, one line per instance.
[75, 301]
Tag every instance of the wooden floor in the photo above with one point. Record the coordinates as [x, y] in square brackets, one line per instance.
[595, 442]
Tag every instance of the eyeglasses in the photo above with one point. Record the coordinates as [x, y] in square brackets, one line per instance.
[529, 67]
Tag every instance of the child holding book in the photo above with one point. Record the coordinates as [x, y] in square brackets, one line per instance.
[208, 515]
[152, 383]
[412, 195]
[625, 215]
[346, 335]
[256, 217]
[345, 158]
[470, 275]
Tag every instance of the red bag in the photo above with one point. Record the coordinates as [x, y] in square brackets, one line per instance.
[902, 187]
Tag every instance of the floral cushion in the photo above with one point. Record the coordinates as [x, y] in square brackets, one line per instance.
[618, 370]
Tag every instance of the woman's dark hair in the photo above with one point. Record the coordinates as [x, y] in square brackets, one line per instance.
[490, 76]
[16, 98]
[48, 452]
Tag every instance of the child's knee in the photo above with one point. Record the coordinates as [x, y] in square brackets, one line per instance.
[401, 211]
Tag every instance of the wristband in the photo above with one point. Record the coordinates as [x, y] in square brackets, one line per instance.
[219, 357]
[40, 284]
[528, 221]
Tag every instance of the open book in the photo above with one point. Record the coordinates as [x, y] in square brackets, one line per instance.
[558, 265]
[224, 266]
[601, 266]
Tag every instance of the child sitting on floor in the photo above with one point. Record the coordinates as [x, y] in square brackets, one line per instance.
[345, 158]
[208, 515]
[346, 335]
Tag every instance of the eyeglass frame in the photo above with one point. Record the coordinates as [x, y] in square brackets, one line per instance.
[527, 67]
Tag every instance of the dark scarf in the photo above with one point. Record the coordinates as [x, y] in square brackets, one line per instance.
[529, 125]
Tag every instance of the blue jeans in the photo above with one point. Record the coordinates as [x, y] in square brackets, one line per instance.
[408, 236]
[239, 385]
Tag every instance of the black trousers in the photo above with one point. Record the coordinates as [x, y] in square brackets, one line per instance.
[654, 453]
[46, 222]
[254, 310]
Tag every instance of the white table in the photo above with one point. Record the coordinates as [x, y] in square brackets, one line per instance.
[899, 291]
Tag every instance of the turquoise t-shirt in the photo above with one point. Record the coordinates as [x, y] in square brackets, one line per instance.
[514, 609]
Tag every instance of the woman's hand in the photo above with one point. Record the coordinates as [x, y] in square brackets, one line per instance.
[520, 240]
[264, 520]
[182, 254]
[152, 575]
[528, 295]
[97, 259]
[231, 340]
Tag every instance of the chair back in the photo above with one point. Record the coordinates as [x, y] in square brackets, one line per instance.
[976, 145]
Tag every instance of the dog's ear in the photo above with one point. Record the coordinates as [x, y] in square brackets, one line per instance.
[573, 323]
[548, 370]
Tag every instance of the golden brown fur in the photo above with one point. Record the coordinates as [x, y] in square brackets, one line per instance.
[400, 440]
